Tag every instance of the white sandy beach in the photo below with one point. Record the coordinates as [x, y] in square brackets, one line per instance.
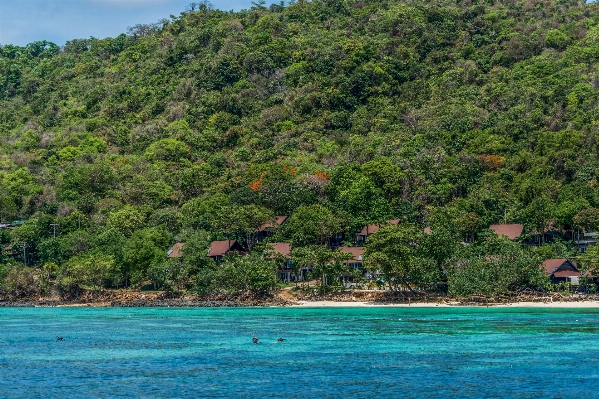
[334, 304]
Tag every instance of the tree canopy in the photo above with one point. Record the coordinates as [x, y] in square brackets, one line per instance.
[448, 114]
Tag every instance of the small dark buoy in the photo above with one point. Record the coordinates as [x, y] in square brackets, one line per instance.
[59, 338]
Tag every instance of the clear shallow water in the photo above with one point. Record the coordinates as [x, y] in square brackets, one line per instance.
[328, 353]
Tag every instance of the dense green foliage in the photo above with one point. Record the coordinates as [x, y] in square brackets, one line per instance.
[495, 266]
[448, 114]
[396, 252]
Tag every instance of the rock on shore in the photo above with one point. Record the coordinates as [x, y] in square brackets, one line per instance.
[145, 300]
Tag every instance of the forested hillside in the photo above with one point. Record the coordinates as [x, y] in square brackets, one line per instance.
[447, 114]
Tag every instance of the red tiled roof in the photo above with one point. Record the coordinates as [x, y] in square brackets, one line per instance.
[551, 264]
[513, 231]
[552, 267]
[428, 230]
[357, 252]
[271, 226]
[283, 248]
[219, 248]
[175, 251]
[373, 228]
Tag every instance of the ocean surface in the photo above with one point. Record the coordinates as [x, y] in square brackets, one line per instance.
[327, 353]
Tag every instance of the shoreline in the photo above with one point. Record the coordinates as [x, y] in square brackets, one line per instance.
[523, 304]
[283, 299]
[321, 304]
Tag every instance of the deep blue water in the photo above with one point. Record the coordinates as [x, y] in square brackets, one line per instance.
[328, 353]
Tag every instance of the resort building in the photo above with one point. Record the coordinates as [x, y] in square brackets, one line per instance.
[269, 229]
[355, 263]
[585, 240]
[561, 271]
[284, 272]
[371, 229]
[218, 249]
[176, 251]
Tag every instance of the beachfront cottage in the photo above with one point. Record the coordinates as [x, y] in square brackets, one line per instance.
[561, 270]
[269, 229]
[176, 251]
[284, 272]
[512, 231]
[355, 262]
[371, 229]
[218, 249]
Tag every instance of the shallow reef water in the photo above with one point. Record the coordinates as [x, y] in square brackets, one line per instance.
[326, 353]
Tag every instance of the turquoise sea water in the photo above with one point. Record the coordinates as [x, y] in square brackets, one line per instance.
[328, 353]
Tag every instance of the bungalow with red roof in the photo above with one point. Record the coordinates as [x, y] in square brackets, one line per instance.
[269, 229]
[218, 249]
[283, 248]
[561, 270]
[176, 251]
[284, 273]
[355, 262]
[371, 229]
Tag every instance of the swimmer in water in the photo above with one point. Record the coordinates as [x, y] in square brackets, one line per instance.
[280, 340]
[59, 338]
[255, 340]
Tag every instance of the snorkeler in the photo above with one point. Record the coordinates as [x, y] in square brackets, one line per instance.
[255, 340]
[59, 338]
